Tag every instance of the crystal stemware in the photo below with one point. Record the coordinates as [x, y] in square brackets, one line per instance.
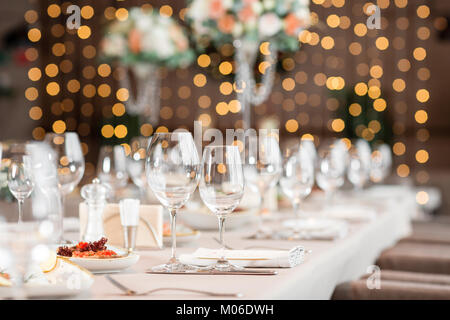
[297, 179]
[381, 163]
[173, 169]
[112, 167]
[136, 164]
[28, 243]
[20, 180]
[221, 189]
[330, 168]
[262, 166]
[70, 162]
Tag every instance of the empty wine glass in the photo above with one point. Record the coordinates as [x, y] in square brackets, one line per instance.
[358, 170]
[19, 240]
[172, 167]
[262, 166]
[381, 163]
[221, 189]
[297, 179]
[70, 163]
[28, 243]
[112, 167]
[330, 169]
[20, 181]
[136, 164]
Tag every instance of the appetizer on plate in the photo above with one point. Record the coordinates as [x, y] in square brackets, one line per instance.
[98, 257]
[96, 249]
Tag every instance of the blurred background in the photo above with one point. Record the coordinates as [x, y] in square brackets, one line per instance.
[387, 85]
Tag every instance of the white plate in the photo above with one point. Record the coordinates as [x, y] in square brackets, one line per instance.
[108, 265]
[185, 234]
[66, 280]
[310, 224]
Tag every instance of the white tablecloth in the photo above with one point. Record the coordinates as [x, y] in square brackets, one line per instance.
[329, 264]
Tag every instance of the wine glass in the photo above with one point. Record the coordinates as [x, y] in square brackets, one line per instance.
[330, 169]
[221, 189]
[70, 163]
[112, 167]
[20, 181]
[358, 170]
[262, 166]
[172, 168]
[136, 164]
[297, 179]
[28, 243]
[381, 163]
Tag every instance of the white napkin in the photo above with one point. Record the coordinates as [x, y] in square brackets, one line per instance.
[351, 212]
[247, 258]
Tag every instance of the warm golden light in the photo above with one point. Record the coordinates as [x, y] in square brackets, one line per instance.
[291, 125]
[403, 170]
[59, 126]
[399, 148]
[422, 156]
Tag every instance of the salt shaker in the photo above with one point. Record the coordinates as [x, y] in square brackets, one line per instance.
[95, 195]
[129, 217]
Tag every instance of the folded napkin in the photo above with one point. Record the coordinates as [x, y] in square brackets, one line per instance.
[351, 212]
[149, 231]
[247, 258]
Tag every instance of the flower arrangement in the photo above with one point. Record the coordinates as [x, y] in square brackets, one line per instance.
[221, 21]
[147, 37]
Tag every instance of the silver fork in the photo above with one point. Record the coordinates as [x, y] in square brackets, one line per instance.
[130, 292]
[255, 247]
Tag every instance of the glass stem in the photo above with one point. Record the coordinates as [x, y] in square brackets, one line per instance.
[295, 206]
[61, 218]
[221, 239]
[20, 203]
[173, 232]
[261, 209]
[143, 195]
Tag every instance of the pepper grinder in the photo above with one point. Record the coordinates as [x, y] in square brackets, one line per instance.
[95, 195]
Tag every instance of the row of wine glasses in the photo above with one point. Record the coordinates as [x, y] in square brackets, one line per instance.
[32, 168]
[67, 156]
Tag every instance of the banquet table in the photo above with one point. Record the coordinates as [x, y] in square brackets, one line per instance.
[329, 264]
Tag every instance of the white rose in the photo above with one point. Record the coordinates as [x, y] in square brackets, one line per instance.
[303, 2]
[164, 46]
[303, 14]
[257, 7]
[144, 24]
[269, 24]
[114, 45]
[198, 10]
[237, 29]
[269, 4]
[147, 42]
[227, 4]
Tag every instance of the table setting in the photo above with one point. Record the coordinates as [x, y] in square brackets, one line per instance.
[112, 238]
[207, 149]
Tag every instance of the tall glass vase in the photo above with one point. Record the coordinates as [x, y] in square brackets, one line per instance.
[248, 92]
[146, 101]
